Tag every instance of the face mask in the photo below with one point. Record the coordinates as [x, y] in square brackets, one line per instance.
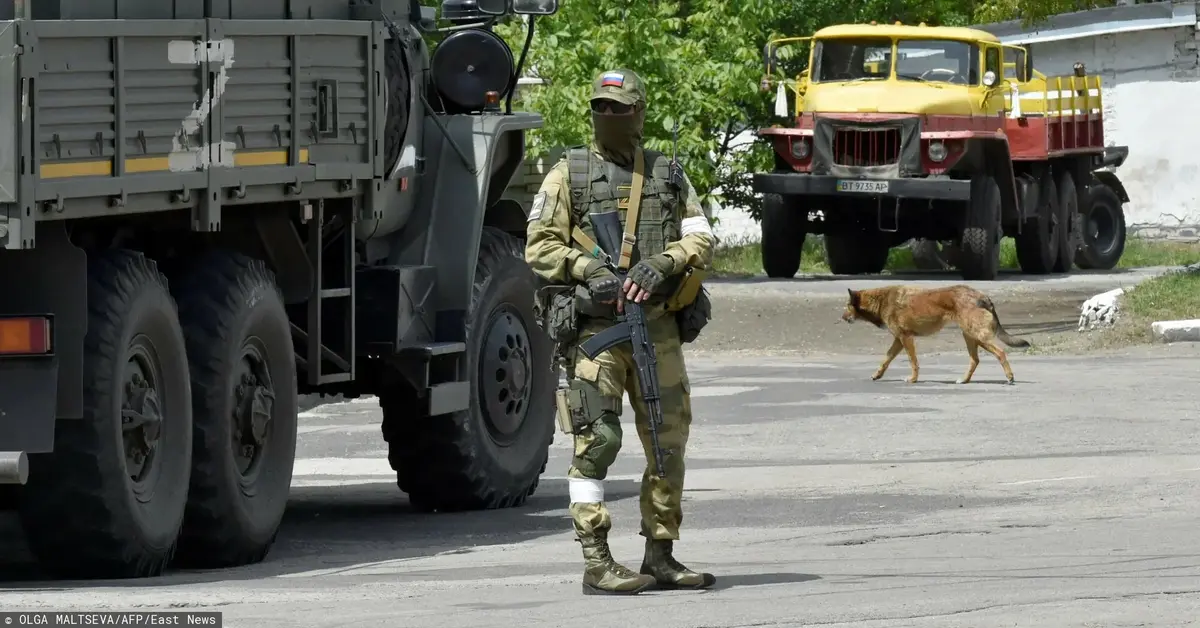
[618, 135]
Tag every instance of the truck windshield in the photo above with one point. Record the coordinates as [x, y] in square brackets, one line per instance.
[870, 58]
[853, 59]
[934, 60]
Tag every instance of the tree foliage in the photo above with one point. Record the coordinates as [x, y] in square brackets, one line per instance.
[701, 61]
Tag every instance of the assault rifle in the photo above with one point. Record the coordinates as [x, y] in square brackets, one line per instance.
[631, 328]
[675, 171]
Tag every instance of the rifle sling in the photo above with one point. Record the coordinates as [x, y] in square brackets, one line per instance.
[629, 238]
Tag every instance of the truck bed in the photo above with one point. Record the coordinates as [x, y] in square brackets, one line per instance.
[128, 116]
[1055, 116]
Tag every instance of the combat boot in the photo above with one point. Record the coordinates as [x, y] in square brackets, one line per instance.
[668, 572]
[604, 576]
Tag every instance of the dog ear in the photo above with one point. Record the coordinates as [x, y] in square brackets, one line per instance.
[853, 297]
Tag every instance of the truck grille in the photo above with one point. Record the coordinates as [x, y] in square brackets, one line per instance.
[875, 147]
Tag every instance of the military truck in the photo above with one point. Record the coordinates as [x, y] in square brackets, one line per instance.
[938, 133]
[209, 207]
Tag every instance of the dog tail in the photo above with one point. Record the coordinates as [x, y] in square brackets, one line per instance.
[1004, 336]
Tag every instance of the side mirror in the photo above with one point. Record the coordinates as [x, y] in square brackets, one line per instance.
[989, 79]
[768, 58]
[535, 7]
[492, 7]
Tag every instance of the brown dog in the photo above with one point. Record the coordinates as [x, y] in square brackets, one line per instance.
[908, 312]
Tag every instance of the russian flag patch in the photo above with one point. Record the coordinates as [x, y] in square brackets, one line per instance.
[612, 79]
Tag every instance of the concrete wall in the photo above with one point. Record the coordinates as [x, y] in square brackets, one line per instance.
[1150, 89]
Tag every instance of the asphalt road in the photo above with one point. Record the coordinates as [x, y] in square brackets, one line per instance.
[816, 496]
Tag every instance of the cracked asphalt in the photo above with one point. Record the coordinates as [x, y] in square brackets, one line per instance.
[816, 496]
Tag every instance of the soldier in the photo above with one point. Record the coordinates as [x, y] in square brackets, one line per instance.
[672, 234]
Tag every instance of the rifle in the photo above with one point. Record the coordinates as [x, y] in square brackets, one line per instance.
[631, 328]
[675, 171]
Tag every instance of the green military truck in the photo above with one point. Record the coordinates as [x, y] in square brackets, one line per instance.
[208, 207]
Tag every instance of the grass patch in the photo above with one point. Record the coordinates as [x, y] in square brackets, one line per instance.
[1175, 296]
[742, 258]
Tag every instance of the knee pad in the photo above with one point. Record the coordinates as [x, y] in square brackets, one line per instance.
[597, 422]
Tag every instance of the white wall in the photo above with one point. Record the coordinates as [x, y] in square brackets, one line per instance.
[1150, 90]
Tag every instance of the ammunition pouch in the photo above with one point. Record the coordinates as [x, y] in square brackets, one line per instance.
[692, 318]
[687, 287]
[580, 404]
[555, 310]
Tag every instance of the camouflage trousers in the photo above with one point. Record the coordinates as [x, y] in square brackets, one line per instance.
[614, 373]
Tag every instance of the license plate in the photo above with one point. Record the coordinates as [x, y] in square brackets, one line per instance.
[862, 187]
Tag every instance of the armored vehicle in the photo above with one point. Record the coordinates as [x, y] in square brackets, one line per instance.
[936, 133]
[209, 207]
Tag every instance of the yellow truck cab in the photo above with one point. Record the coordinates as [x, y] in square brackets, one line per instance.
[945, 133]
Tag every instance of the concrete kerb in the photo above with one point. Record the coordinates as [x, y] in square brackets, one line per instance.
[1179, 330]
[1176, 331]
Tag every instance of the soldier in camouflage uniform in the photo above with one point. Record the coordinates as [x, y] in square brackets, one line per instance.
[673, 238]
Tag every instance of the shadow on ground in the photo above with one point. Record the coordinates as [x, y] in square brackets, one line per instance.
[341, 527]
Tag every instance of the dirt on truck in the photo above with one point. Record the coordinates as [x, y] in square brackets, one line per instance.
[208, 208]
[940, 134]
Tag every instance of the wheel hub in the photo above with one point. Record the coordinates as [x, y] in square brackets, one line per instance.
[253, 409]
[141, 422]
[505, 374]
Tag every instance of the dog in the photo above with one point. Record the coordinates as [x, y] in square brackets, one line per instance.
[908, 312]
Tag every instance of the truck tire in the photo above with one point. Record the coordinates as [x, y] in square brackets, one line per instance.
[979, 242]
[862, 253]
[1068, 201]
[243, 373]
[1102, 229]
[1040, 237]
[492, 454]
[783, 231]
[84, 513]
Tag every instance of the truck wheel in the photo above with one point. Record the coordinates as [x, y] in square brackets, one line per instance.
[1103, 230]
[979, 257]
[491, 455]
[239, 344]
[109, 501]
[1040, 237]
[1068, 201]
[783, 228]
[862, 253]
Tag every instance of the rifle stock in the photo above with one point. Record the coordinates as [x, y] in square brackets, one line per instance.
[631, 328]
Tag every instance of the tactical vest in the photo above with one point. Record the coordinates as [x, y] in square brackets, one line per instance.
[599, 186]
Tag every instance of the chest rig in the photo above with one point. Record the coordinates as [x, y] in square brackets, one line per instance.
[600, 186]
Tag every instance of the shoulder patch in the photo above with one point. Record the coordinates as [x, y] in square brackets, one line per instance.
[539, 202]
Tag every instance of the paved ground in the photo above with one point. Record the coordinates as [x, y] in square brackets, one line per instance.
[816, 496]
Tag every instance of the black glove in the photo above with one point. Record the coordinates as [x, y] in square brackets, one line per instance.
[649, 274]
[601, 282]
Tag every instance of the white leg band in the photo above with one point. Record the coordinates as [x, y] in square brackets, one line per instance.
[586, 490]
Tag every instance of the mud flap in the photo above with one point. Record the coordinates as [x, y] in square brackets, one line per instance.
[28, 394]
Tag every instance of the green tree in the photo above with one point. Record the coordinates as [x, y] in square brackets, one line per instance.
[701, 61]
[1032, 11]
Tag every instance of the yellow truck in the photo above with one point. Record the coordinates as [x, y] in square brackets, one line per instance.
[898, 132]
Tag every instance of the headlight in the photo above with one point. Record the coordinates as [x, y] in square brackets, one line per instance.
[937, 151]
[800, 148]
